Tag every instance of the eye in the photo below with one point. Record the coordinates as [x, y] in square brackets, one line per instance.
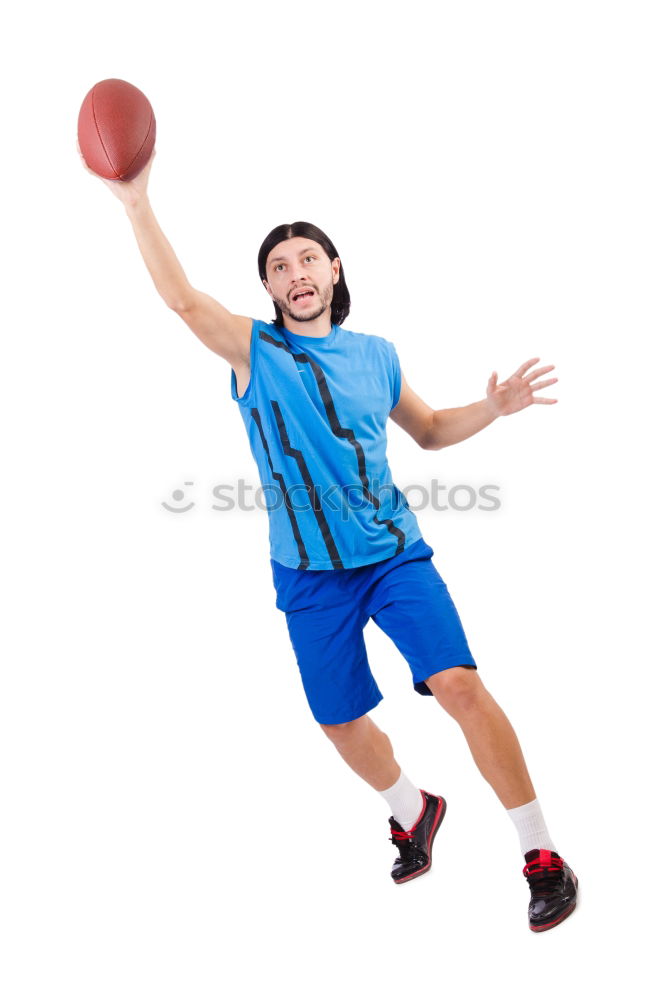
[309, 257]
[277, 266]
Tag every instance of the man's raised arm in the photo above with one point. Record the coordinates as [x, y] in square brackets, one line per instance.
[220, 330]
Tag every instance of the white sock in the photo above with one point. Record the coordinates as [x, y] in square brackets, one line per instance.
[405, 800]
[531, 828]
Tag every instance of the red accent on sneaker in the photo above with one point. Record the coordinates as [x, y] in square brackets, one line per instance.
[539, 863]
[553, 923]
[405, 835]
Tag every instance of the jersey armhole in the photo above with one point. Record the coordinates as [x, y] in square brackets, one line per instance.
[396, 376]
[248, 392]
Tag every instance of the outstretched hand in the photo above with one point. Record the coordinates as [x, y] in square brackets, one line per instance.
[517, 391]
[128, 192]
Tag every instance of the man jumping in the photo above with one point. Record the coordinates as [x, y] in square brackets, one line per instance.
[345, 546]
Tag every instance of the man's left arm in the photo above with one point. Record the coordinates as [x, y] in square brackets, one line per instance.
[435, 429]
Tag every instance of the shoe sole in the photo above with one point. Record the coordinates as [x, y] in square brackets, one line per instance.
[440, 810]
[545, 927]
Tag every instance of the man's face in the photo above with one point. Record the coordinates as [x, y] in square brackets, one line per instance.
[300, 278]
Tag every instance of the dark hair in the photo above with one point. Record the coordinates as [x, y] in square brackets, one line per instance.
[340, 302]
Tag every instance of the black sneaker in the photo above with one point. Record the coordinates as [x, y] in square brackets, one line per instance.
[415, 845]
[553, 887]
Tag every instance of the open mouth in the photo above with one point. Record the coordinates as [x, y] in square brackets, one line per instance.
[299, 296]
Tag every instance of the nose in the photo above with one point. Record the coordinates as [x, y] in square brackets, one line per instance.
[299, 275]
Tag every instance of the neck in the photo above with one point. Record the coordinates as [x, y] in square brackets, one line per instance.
[319, 327]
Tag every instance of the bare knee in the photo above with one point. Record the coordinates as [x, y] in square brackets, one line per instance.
[457, 689]
[333, 728]
[341, 733]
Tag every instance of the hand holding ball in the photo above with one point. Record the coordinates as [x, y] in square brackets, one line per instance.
[116, 130]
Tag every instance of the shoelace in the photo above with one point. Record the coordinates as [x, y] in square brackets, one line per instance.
[406, 844]
[544, 879]
[400, 835]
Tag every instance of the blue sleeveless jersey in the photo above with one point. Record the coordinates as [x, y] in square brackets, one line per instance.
[315, 410]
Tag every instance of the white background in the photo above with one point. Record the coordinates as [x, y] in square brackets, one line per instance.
[174, 822]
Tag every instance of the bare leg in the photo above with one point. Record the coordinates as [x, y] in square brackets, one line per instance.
[366, 749]
[491, 738]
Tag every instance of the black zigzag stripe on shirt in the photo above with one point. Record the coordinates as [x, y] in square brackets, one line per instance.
[334, 555]
[342, 432]
[303, 555]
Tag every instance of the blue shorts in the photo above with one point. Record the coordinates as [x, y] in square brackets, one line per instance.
[326, 613]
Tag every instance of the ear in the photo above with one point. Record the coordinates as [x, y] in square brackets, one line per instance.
[335, 269]
[266, 285]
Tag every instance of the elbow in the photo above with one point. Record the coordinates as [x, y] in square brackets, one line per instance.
[430, 442]
[181, 302]
[427, 440]
[178, 305]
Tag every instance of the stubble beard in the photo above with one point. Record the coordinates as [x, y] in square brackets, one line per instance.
[326, 297]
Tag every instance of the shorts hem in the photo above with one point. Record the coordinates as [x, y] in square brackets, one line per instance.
[421, 687]
[339, 722]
